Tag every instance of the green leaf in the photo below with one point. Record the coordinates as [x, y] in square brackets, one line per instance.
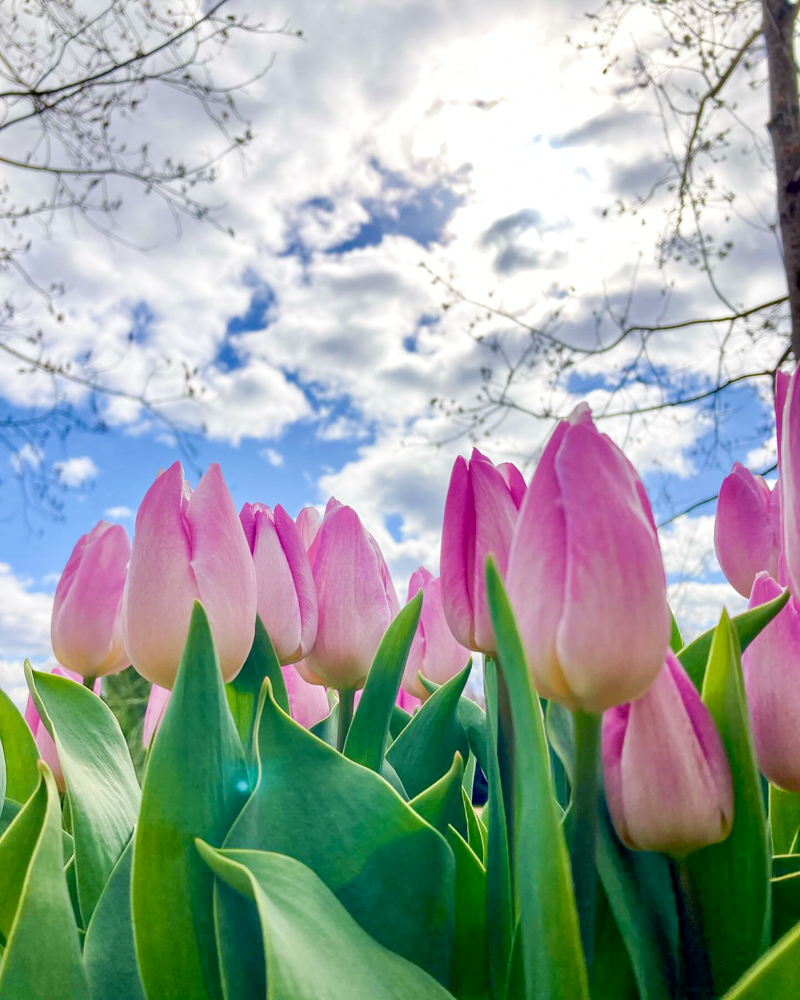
[392, 871]
[41, 955]
[369, 731]
[612, 974]
[694, 657]
[20, 751]
[552, 956]
[101, 783]
[244, 689]
[785, 864]
[476, 837]
[195, 785]
[784, 819]
[442, 803]
[423, 752]
[7, 814]
[470, 978]
[2, 777]
[675, 639]
[109, 952]
[326, 729]
[473, 719]
[785, 904]
[775, 976]
[731, 879]
[312, 948]
[500, 921]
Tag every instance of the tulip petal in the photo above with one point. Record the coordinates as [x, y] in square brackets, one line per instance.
[790, 483]
[515, 482]
[614, 632]
[156, 706]
[744, 530]
[302, 578]
[308, 703]
[458, 555]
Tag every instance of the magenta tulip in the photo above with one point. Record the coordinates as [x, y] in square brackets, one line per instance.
[286, 598]
[44, 741]
[86, 626]
[771, 665]
[514, 481]
[308, 522]
[434, 652]
[747, 533]
[782, 382]
[585, 576]
[667, 779]
[187, 547]
[479, 517]
[357, 600]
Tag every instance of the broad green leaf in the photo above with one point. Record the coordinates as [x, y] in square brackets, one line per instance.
[2, 777]
[244, 689]
[785, 904]
[775, 976]
[312, 947]
[327, 728]
[694, 657]
[675, 639]
[473, 719]
[7, 814]
[442, 803]
[101, 783]
[552, 956]
[731, 879]
[196, 783]
[423, 752]
[369, 731]
[612, 974]
[109, 952]
[20, 751]
[389, 868]
[500, 920]
[41, 951]
[784, 819]
[470, 978]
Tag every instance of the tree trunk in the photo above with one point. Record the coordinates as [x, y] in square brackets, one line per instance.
[784, 129]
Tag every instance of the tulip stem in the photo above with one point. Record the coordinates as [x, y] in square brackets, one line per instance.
[696, 963]
[583, 824]
[88, 682]
[346, 703]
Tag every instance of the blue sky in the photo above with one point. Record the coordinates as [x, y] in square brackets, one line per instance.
[470, 139]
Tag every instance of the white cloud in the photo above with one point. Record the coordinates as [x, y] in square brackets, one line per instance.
[77, 471]
[119, 513]
[697, 605]
[24, 630]
[27, 457]
[273, 457]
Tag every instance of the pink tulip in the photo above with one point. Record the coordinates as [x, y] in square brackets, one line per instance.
[308, 703]
[86, 627]
[585, 576]
[434, 652]
[514, 481]
[771, 665]
[287, 600]
[479, 517]
[403, 700]
[154, 713]
[667, 779]
[308, 522]
[790, 483]
[187, 547]
[747, 534]
[44, 741]
[357, 600]
[782, 382]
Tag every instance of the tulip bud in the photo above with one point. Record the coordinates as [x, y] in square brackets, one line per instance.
[286, 598]
[86, 627]
[479, 517]
[585, 576]
[667, 779]
[308, 522]
[45, 743]
[187, 547]
[356, 598]
[747, 534]
[434, 652]
[771, 666]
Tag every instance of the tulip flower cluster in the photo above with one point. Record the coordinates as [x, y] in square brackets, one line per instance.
[306, 827]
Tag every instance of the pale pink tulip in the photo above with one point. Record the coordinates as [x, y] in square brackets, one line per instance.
[434, 652]
[747, 533]
[187, 547]
[86, 626]
[308, 522]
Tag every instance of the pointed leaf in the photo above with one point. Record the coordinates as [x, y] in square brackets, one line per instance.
[392, 871]
[442, 803]
[775, 976]
[676, 642]
[784, 819]
[785, 904]
[101, 782]
[20, 751]
[470, 978]
[369, 731]
[312, 947]
[109, 952]
[552, 955]
[694, 657]
[244, 689]
[35, 911]
[195, 785]
[731, 879]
